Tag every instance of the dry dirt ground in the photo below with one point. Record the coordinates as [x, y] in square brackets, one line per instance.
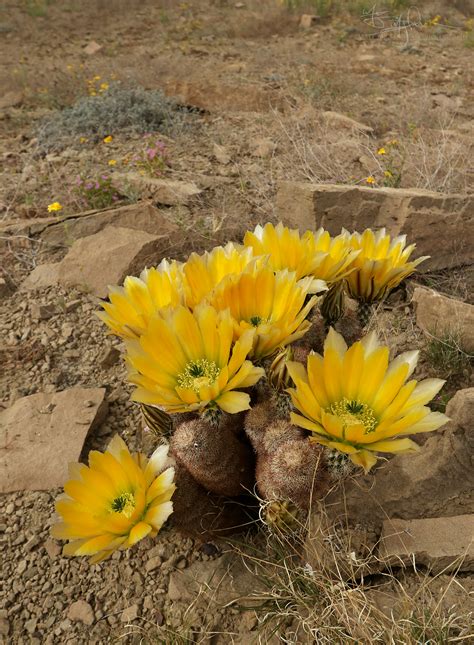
[257, 87]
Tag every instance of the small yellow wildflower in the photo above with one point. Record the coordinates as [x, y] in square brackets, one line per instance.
[104, 87]
[112, 162]
[381, 151]
[387, 173]
[96, 78]
[54, 207]
[83, 140]
[92, 93]
[108, 139]
[370, 180]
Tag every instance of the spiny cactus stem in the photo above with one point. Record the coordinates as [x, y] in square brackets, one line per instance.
[213, 416]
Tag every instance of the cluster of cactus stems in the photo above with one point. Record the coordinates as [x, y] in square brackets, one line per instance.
[283, 414]
[225, 462]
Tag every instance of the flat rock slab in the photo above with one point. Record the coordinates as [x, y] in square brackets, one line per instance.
[219, 97]
[97, 261]
[442, 544]
[66, 229]
[442, 226]
[442, 316]
[40, 434]
[168, 192]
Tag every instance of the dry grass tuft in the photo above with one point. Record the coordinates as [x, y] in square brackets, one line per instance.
[331, 600]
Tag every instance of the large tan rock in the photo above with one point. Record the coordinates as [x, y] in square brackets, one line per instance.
[442, 316]
[436, 481]
[99, 260]
[442, 226]
[40, 434]
[442, 543]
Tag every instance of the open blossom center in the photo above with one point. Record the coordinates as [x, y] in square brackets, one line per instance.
[124, 504]
[353, 412]
[197, 374]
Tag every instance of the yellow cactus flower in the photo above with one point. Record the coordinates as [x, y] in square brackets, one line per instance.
[183, 362]
[337, 259]
[381, 265]
[131, 306]
[354, 401]
[310, 254]
[204, 272]
[54, 207]
[271, 303]
[115, 501]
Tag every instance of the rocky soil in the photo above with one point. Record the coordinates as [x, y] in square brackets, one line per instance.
[271, 102]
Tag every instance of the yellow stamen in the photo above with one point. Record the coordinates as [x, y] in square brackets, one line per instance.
[197, 374]
[352, 412]
[124, 504]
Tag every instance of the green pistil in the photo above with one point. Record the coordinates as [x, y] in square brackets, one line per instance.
[197, 374]
[124, 504]
[256, 320]
[352, 412]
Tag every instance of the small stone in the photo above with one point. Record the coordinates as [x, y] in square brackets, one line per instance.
[31, 543]
[263, 148]
[130, 613]
[221, 154]
[153, 563]
[64, 625]
[181, 563]
[308, 20]
[53, 549]
[109, 357]
[148, 603]
[43, 312]
[4, 627]
[30, 625]
[92, 48]
[81, 611]
[67, 330]
[72, 305]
